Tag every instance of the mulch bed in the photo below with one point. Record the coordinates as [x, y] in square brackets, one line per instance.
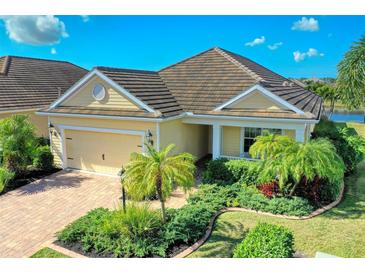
[28, 177]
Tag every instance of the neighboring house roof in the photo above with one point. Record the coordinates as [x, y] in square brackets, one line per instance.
[205, 84]
[29, 83]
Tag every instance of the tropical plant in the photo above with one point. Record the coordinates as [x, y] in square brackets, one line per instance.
[5, 177]
[351, 76]
[305, 162]
[269, 145]
[157, 172]
[17, 139]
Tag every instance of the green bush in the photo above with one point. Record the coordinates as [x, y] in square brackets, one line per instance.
[349, 147]
[252, 198]
[224, 172]
[5, 177]
[136, 233]
[43, 158]
[266, 241]
[189, 223]
[17, 140]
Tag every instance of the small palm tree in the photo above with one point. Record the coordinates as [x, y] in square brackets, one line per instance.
[158, 173]
[268, 145]
[305, 162]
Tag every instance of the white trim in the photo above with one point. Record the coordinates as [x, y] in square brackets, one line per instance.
[108, 130]
[19, 110]
[216, 140]
[116, 86]
[123, 118]
[210, 119]
[266, 92]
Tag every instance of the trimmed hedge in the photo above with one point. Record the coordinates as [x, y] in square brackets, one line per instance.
[43, 158]
[224, 172]
[266, 241]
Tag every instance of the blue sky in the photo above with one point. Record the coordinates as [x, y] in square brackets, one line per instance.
[153, 42]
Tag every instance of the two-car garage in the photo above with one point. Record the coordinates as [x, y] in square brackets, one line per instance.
[99, 150]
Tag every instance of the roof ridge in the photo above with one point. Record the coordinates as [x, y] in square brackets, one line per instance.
[125, 69]
[46, 60]
[186, 59]
[239, 64]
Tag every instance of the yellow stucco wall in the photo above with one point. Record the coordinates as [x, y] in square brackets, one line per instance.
[289, 132]
[187, 137]
[231, 141]
[40, 122]
[113, 99]
[56, 147]
[256, 100]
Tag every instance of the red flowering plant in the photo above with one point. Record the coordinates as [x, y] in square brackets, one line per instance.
[269, 189]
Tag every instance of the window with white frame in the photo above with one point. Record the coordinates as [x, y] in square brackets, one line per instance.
[250, 133]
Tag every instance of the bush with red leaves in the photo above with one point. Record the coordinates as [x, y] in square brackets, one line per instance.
[269, 189]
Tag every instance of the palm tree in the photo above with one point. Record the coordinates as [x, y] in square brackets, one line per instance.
[351, 76]
[268, 145]
[306, 162]
[157, 172]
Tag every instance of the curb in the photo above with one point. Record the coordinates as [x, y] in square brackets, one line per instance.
[209, 230]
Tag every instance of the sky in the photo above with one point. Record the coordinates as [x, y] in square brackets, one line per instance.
[294, 46]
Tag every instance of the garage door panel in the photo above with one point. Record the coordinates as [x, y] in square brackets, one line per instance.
[99, 151]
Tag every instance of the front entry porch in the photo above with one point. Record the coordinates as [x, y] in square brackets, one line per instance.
[233, 139]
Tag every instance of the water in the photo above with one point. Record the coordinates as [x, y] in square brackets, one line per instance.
[343, 115]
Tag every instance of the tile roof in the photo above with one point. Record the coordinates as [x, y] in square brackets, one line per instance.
[205, 81]
[146, 86]
[27, 83]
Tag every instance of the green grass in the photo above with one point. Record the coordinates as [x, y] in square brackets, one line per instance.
[47, 252]
[340, 231]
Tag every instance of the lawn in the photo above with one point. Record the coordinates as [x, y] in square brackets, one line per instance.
[47, 252]
[339, 231]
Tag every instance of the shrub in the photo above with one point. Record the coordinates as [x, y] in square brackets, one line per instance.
[269, 189]
[189, 223]
[224, 172]
[136, 233]
[17, 139]
[252, 198]
[266, 241]
[217, 172]
[347, 147]
[43, 158]
[5, 177]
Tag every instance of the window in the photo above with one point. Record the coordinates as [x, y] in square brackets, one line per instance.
[250, 133]
[98, 92]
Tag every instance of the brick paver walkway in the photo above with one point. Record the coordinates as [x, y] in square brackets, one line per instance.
[31, 215]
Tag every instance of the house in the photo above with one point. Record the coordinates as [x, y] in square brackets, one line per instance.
[28, 84]
[215, 102]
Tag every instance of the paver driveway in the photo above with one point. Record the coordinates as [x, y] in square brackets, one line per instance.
[30, 215]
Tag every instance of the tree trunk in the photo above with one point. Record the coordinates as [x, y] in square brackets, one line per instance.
[123, 199]
[332, 108]
[301, 181]
[161, 198]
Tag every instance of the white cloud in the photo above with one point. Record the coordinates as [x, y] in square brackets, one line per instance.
[300, 56]
[306, 24]
[85, 18]
[256, 41]
[275, 45]
[53, 51]
[35, 30]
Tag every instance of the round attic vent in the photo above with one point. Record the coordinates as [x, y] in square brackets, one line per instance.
[98, 92]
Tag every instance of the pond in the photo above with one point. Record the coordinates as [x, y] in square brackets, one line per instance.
[344, 115]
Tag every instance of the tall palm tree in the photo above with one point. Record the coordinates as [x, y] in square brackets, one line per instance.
[158, 173]
[351, 76]
[268, 145]
[306, 162]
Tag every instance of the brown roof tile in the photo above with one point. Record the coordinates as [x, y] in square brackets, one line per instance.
[27, 83]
